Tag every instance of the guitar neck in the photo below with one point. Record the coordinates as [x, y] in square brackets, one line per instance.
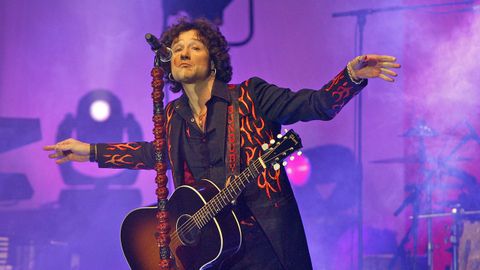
[228, 194]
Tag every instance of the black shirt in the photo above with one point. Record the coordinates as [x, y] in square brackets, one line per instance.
[203, 150]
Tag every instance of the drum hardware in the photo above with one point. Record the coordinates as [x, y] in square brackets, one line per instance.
[432, 169]
[459, 215]
[420, 130]
[469, 245]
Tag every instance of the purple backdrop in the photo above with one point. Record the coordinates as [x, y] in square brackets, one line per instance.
[54, 52]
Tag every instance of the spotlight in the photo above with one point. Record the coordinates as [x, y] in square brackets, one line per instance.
[100, 110]
[99, 118]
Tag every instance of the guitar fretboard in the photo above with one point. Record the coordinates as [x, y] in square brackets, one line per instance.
[228, 194]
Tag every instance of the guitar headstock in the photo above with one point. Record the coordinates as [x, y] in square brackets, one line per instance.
[281, 148]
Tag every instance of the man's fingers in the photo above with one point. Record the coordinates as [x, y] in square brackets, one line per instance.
[390, 65]
[60, 146]
[67, 141]
[388, 72]
[59, 154]
[71, 157]
[65, 147]
[67, 152]
[387, 58]
[54, 155]
[49, 147]
[375, 66]
[384, 58]
[386, 78]
[62, 160]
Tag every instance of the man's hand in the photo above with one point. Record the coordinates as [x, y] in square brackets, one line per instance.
[373, 66]
[69, 150]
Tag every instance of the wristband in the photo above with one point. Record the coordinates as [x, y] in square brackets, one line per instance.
[93, 153]
[350, 71]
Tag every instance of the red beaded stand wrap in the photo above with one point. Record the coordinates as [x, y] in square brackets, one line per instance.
[163, 229]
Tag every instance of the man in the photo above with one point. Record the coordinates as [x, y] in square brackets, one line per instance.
[273, 235]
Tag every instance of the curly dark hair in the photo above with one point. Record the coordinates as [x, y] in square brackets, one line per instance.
[213, 39]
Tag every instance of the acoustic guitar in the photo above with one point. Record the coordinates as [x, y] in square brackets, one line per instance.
[205, 230]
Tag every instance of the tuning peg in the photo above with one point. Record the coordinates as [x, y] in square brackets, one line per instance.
[264, 146]
[285, 130]
[292, 158]
[272, 141]
[284, 163]
[279, 136]
[276, 166]
[299, 153]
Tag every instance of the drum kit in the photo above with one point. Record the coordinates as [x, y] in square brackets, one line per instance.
[464, 210]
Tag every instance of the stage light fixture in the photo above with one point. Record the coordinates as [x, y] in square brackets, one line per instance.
[100, 110]
[210, 9]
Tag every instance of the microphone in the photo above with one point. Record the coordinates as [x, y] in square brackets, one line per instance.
[160, 48]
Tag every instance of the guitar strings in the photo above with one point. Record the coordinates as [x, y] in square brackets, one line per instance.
[190, 224]
[193, 222]
[187, 226]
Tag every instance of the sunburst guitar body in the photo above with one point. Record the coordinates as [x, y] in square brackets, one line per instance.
[204, 229]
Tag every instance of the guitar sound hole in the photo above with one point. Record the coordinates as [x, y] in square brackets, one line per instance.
[187, 230]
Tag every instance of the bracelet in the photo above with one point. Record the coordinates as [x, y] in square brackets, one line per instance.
[93, 153]
[350, 72]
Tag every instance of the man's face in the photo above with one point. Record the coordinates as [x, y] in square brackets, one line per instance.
[190, 60]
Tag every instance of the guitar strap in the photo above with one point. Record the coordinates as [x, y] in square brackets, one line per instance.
[232, 155]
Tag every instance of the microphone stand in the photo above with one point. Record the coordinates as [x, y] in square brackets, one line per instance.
[361, 15]
[162, 233]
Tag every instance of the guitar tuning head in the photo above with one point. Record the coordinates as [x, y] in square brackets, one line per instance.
[276, 166]
[299, 153]
[285, 130]
[272, 141]
[292, 158]
[279, 136]
[264, 146]
[284, 163]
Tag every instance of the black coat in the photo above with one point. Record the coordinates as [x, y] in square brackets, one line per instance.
[263, 108]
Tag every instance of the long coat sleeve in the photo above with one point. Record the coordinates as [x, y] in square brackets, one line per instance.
[263, 108]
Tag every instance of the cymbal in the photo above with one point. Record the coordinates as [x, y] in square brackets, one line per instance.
[421, 131]
[408, 159]
[414, 159]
